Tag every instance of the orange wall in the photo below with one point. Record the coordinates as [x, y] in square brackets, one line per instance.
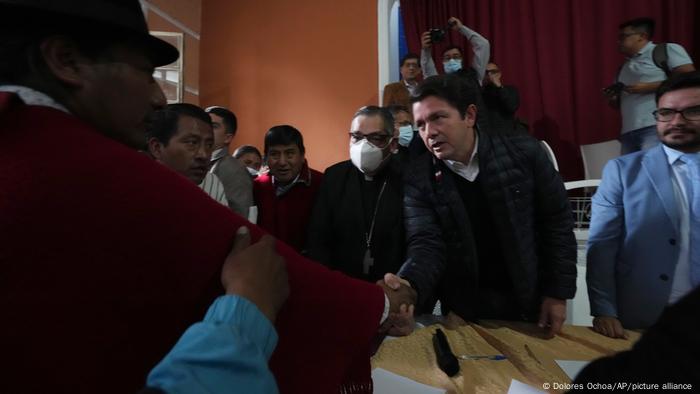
[308, 63]
[187, 13]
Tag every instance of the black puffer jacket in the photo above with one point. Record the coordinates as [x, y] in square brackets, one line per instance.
[532, 215]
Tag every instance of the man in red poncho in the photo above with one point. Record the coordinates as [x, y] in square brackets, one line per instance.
[105, 256]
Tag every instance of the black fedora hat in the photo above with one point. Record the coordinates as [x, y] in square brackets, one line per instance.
[124, 17]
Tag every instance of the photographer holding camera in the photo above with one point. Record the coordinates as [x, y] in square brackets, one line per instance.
[453, 58]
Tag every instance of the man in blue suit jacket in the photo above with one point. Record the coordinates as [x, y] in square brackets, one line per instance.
[644, 243]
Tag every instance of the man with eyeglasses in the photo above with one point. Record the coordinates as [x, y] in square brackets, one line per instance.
[644, 242]
[501, 101]
[357, 222]
[638, 79]
[399, 93]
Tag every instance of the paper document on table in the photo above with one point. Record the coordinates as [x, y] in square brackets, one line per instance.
[386, 382]
[572, 367]
[518, 387]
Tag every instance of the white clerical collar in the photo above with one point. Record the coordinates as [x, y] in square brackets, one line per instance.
[33, 97]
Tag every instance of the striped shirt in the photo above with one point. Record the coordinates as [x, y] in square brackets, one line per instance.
[213, 187]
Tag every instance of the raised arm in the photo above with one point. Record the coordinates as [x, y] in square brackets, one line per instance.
[480, 46]
[426, 57]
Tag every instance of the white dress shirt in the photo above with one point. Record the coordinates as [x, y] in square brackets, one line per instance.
[681, 278]
[470, 170]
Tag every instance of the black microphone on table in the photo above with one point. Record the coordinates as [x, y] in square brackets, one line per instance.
[446, 360]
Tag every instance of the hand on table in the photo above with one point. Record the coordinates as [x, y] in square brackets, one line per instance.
[609, 326]
[552, 315]
[257, 273]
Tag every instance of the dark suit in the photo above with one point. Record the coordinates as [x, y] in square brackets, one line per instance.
[501, 104]
[342, 216]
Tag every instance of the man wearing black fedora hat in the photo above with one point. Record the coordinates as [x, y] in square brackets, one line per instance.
[100, 268]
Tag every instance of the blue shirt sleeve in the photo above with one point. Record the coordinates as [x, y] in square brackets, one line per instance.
[677, 56]
[225, 353]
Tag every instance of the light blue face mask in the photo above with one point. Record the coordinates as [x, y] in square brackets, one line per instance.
[452, 65]
[405, 135]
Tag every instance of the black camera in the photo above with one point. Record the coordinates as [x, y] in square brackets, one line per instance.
[437, 35]
[614, 89]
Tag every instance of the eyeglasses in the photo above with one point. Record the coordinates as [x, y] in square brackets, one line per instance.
[667, 114]
[494, 71]
[411, 65]
[379, 138]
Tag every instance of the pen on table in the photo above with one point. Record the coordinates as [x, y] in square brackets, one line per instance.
[495, 357]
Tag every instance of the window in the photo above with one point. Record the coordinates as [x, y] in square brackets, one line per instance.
[169, 77]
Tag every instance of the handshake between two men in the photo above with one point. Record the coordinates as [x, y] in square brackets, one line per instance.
[257, 272]
[402, 299]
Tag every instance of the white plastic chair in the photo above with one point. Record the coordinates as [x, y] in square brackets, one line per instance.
[550, 154]
[595, 156]
[578, 310]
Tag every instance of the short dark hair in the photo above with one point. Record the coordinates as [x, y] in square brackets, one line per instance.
[409, 56]
[162, 124]
[459, 92]
[396, 108]
[384, 113]
[229, 118]
[457, 47]
[640, 25]
[245, 149]
[283, 135]
[677, 82]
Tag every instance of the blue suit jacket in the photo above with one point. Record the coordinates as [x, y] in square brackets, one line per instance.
[634, 239]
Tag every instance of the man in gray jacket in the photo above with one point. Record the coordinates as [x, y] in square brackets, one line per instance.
[237, 183]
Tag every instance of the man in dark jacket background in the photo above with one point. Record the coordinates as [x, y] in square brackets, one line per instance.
[501, 101]
[488, 224]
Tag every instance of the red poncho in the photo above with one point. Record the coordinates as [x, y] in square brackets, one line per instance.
[106, 257]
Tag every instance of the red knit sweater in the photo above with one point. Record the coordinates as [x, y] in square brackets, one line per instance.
[287, 216]
[106, 257]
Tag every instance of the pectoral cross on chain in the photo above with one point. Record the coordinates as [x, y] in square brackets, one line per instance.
[367, 262]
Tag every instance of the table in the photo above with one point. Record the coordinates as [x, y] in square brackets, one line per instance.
[530, 356]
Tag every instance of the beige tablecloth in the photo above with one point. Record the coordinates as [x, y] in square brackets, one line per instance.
[530, 356]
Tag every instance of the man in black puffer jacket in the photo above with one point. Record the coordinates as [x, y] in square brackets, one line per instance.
[488, 224]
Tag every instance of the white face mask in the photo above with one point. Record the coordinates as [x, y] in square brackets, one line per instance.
[367, 157]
